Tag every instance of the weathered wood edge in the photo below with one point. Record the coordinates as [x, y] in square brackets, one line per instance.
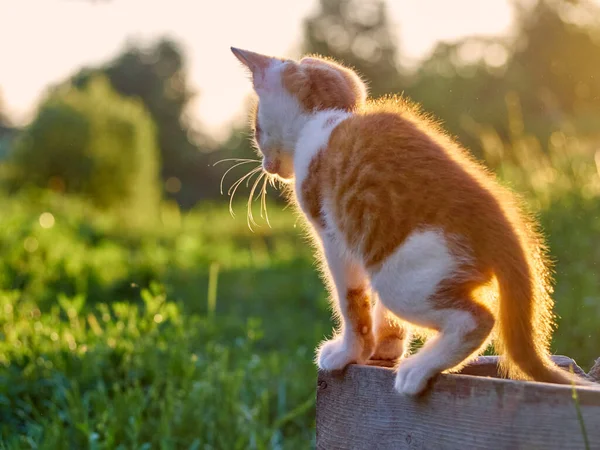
[445, 379]
[458, 411]
[487, 366]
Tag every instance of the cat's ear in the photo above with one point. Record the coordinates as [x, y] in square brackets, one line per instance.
[255, 62]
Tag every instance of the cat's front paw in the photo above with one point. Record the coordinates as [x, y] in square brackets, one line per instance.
[338, 353]
[412, 379]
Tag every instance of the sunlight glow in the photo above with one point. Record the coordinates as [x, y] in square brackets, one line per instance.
[46, 220]
[63, 36]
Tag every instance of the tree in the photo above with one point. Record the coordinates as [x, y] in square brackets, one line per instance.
[557, 57]
[157, 76]
[3, 116]
[7, 131]
[545, 75]
[93, 143]
[357, 33]
[463, 83]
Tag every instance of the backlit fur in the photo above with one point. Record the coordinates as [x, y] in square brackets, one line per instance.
[400, 210]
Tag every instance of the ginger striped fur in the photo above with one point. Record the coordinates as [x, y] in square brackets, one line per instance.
[399, 209]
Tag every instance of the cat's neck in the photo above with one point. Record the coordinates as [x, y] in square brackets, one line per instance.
[313, 137]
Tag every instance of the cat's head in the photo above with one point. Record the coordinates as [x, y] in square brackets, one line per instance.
[288, 93]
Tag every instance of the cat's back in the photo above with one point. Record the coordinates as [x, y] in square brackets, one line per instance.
[390, 143]
[388, 171]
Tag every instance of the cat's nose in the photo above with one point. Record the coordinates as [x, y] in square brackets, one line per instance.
[271, 166]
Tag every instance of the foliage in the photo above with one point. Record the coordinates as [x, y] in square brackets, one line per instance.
[6, 131]
[4, 121]
[108, 338]
[557, 57]
[358, 33]
[561, 179]
[460, 92]
[148, 376]
[93, 143]
[551, 64]
[189, 331]
[157, 76]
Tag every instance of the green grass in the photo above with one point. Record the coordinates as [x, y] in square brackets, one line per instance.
[111, 337]
[194, 333]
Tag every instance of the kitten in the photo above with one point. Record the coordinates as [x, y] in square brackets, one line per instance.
[399, 209]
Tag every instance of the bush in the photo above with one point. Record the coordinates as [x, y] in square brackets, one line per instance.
[94, 143]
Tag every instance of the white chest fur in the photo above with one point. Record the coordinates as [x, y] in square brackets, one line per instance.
[312, 139]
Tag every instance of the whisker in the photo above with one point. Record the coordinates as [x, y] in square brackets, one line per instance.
[264, 201]
[249, 217]
[259, 192]
[233, 188]
[231, 168]
[261, 196]
[235, 159]
[242, 178]
[260, 209]
[248, 180]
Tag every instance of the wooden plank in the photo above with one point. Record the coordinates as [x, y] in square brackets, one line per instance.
[359, 409]
[487, 366]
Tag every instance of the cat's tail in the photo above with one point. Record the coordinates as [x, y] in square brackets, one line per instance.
[525, 309]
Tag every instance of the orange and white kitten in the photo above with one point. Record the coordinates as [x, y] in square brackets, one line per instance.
[401, 210]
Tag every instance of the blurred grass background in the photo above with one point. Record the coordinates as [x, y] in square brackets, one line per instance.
[135, 312]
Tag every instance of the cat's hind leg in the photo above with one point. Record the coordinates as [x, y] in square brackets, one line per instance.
[416, 284]
[392, 335]
[463, 333]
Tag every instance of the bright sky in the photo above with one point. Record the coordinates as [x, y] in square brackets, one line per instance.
[44, 41]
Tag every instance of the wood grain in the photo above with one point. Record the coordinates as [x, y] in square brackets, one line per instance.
[487, 366]
[359, 409]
